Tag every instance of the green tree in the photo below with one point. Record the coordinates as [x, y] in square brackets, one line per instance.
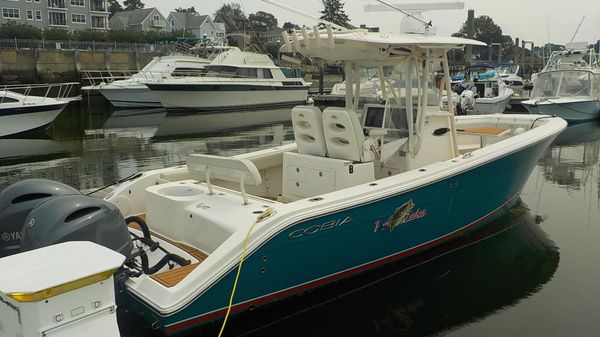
[13, 30]
[232, 9]
[125, 35]
[90, 35]
[333, 11]
[114, 6]
[290, 26]
[486, 30]
[261, 18]
[186, 10]
[133, 4]
[57, 34]
[182, 33]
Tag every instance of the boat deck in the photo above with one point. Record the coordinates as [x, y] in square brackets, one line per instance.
[171, 278]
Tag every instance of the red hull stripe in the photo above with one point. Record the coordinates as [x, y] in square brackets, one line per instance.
[177, 327]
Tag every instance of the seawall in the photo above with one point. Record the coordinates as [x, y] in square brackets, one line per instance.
[53, 66]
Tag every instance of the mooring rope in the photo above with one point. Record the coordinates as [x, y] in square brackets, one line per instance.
[267, 213]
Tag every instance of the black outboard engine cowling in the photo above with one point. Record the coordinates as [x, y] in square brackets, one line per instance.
[17, 200]
[76, 218]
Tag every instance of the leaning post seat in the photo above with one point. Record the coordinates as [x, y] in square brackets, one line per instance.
[224, 168]
[307, 122]
[344, 135]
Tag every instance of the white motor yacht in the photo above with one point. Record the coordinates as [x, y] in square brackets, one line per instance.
[234, 80]
[133, 93]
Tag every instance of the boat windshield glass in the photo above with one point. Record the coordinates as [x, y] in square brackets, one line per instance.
[507, 68]
[564, 84]
[219, 70]
[403, 90]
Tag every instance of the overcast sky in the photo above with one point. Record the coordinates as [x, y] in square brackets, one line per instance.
[535, 20]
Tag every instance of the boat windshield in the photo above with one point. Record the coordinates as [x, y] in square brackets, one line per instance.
[573, 83]
[506, 69]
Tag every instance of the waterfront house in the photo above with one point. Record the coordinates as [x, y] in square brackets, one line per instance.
[68, 14]
[144, 19]
[199, 25]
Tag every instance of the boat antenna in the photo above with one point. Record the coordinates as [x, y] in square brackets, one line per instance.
[325, 22]
[576, 31]
[410, 15]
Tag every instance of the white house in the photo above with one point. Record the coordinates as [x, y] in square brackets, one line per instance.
[199, 25]
[145, 19]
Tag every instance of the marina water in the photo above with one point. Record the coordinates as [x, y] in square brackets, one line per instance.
[533, 272]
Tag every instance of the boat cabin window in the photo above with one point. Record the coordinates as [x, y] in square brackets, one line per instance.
[8, 100]
[220, 70]
[185, 71]
[264, 73]
[246, 72]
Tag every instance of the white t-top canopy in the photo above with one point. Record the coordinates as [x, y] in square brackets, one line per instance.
[361, 46]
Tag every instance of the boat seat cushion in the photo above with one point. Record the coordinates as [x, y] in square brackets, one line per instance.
[307, 122]
[224, 168]
[343, 134]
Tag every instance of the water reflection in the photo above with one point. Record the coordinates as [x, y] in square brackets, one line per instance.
[177, 125]
[96, 148]
[440, 290]
[571, 161]
[15, 151]
[134, 118]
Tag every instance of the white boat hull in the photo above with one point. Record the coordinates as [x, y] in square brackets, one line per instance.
[138, 96]
[573, 110]
[214, 97]
[13, 123]
[492, 105]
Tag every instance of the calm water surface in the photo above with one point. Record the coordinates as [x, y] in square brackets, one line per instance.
[534, 272]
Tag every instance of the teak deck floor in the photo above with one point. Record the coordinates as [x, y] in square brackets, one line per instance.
[172, 277]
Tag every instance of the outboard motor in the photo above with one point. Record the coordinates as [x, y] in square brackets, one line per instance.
[467, 101]
[17, 200]
[76, 218]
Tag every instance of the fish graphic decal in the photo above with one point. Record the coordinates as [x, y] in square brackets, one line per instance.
[403, 214]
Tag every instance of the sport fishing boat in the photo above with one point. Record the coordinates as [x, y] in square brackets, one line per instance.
[22, 111]
[234, 80]
[569, 87]
[133, 93]
[482, 91]
[512, 75]
[222, 235]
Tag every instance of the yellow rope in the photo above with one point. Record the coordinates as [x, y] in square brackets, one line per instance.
[267, 213]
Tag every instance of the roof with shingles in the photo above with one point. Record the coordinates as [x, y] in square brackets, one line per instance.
[134, 17]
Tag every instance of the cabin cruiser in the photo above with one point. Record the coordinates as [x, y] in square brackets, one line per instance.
[222, 235]
[569, 87]
[482, 91]
[512, 75]
[22, 111]
[133, 93]
[234, 80]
